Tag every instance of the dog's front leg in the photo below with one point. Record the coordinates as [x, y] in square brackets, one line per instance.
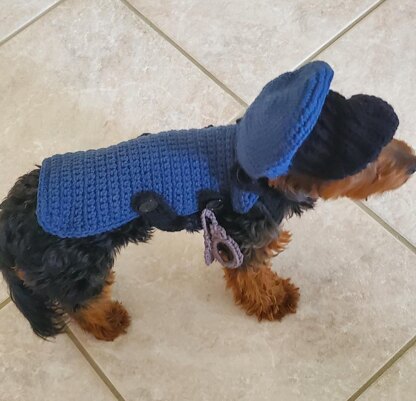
[258, 289]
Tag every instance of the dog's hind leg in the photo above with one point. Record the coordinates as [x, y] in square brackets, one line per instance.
[258, 289]
[101, 316]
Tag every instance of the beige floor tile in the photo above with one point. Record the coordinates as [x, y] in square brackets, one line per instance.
[16, 13]
[3, 290]
[188, 341]
[90, 74]
[397, 384]
[245, 43]
[378, 57]
[37, 370]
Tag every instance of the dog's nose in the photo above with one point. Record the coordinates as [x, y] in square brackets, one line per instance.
[411, 163]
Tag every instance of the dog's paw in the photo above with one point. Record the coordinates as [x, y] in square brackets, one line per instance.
[118, 320]
[261, 292]
[281, 299]
[104, 321]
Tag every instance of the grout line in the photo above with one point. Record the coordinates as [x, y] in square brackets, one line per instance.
[236, 116]
[86, 355]
[383, 369]
[386, 226]
[192, 59]
[94, 365]
[341, 33]
[5, 303]
[30, 22]
[221, 84]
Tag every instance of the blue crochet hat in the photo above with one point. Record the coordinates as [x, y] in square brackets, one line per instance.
[280, 119]
[349, 134]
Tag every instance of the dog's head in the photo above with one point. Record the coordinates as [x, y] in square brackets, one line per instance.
[350, 152]
[392, 168]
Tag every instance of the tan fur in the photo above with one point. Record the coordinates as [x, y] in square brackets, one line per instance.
[258, 289]
[388, 172]
[104, 318]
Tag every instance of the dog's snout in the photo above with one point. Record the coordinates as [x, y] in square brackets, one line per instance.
[403, 156]
[412, 165]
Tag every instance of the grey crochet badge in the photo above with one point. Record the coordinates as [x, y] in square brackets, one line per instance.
[218, 245]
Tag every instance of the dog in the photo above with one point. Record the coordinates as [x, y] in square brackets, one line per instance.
[57, 270]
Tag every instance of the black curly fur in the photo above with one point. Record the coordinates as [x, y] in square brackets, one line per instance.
[61, 274]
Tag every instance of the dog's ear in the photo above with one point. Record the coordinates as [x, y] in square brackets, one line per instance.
[280, 119]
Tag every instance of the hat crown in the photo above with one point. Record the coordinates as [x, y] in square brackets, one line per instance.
[280, 119]
[349, 134]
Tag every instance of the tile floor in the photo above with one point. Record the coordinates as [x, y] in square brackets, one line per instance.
[77, 75]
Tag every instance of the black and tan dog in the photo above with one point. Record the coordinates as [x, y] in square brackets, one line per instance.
[53, 278]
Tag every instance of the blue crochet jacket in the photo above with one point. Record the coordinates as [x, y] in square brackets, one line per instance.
[87, 193]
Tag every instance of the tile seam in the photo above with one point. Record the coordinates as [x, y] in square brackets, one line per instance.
[396, 357]
[30, 22]
[392, 231]
[5, 303]
[216, 80]
[86, 355]
[352, 24]
[94, 365]
[187, 55]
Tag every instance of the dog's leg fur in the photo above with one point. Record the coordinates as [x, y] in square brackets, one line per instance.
[258, 289]
[278, 245]
[103, 317]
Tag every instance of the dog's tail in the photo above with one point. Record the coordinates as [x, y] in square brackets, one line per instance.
[45, 317]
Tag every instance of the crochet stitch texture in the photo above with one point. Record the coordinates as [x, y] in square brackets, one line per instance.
[87, 193]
